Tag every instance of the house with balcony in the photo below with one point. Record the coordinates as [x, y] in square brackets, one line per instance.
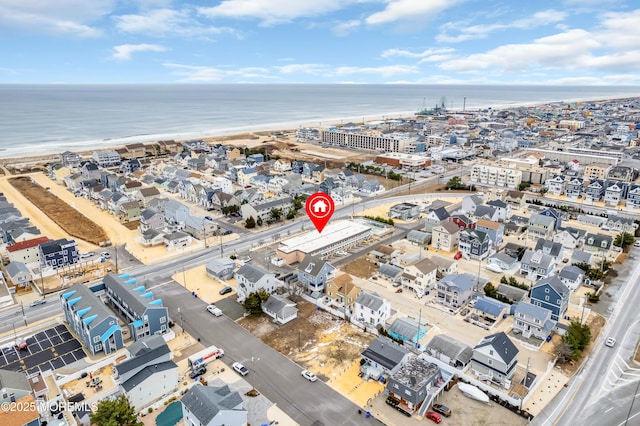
[540, 226]
[149, 373]
[557, 215]
[552, 294]
[515, 198]
[314, 273]
[383, 357]
[251, 278]
[574, 188]
[615, 192]
[495, 230]
[495, 359]
[455, 290]
[633, 196]
[622, 173]
[596, 171]
[416, 382]
[475, 244]
[551, 248]
[213, 406]
[144, 314]
[263, 210]
[555, 185]
[104, 159]
[58, 253]
[450, 351]
[425, 273]
[570, 238]
[370, 310]
[463, 221]
[598, 244]
[151, 219]
[594, 191]
[342, 291]
[445, 236]
[92, 322]
[536, 264]
[503, 210]
[408, 330]
[470, 203]
[27, 251]
[621, 224]
[404, 211]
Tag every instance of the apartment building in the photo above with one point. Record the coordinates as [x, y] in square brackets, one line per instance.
[496, 176]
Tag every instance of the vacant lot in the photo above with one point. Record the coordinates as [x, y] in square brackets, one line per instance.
[69, 219]
[360, 268]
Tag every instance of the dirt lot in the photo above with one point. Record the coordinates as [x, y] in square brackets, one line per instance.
[596, 323]
[71, 220]
[315, 339]
[359, 268]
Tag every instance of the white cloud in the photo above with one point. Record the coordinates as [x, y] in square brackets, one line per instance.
[409, 9]
[195, 73]
[164, 22]
[344, 28]
[274, 11]
[316, 69]
[62, 17]
[123, 52]
[384, 71]
[406, 53]
[470, 32]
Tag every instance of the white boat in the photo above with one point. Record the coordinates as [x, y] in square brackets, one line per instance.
[473, 392]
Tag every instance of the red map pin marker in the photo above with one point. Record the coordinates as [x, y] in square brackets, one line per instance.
[320, 208]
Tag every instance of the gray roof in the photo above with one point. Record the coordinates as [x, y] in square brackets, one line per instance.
[554, 248]
[147, 372]
[312, 265]
[273, 204]
[220, 265]
[485, 211]
[148, 357]
[502, 345]
[512, 293]
[490, 306]
[441, 213]
[126, 293]
[87, 300]
[177, 235]
[205, 402]
[385, 352]
[146, 344]
[14, 268]
[497, 203]
[415, 235]
[571, 272]
[620, 219]
[405, 327]
[540, 219]
[14, 380]
[463, 282]
[451, 347]
[580, 256]
[533, 311]
[598, 239]
[280, 305]
[425, 266]
[504, 257]
[537, 258]
[251, 272]
[370, 300]
[555, 283]
[390, 271]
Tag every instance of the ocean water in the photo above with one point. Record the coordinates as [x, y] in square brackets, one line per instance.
[43, 119]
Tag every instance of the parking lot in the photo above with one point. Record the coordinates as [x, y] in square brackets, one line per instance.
[48, 350]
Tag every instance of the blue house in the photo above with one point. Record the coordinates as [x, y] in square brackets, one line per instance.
[551, 212]
[552, 294]
[633, 196]
[314, 273]
[145, 315]
[59, 253]
[92, 321]
[408, 331]
[475, 244]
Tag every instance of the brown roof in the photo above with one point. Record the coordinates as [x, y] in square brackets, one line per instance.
[425, 266]
[486, 223]
[134, 146]
[34, 242]
[385, 249]
[450, 227]
[27, 414]
[342, 280]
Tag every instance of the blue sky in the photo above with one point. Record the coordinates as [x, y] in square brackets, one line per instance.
[572, 42]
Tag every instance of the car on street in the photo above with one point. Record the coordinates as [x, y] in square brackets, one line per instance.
[565, 260]
[610, 342]
[458, 255]
[442, 409]
[199, 371]
[309, 375]
[85, 255]
[213, 309]
[433, 416]
[225, 290]
[105, 254]
[38, 302]
[636, 244]
[240, 369]
[342, 253]
[209, 218]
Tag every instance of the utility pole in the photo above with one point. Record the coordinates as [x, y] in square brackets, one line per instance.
[526, 375]
[419, 327]
[184, 278]
[181, 320]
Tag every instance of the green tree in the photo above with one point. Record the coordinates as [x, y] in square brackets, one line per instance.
[253, 302]
[250, 222]
[115, 412]
[624, 239]
[455, 183]
[233, 208]
[276, 214]
[291, 214]
[490, 290]
[578, 337]
[524, 185]
[259, 221]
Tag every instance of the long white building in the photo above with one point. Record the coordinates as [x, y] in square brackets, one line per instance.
[496, 176]
[368, 142]
[334, 237]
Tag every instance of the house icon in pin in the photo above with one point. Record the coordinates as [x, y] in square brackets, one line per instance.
[320, 206]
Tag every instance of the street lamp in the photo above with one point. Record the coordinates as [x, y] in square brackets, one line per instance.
[181, 320]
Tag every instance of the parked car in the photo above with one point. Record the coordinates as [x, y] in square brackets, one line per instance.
[309, 375]
[342, 253]
[442, 409]
[636, 244]
[226, 289]
[209, 218]
[433, 416]
[198, 372]
[610, 342]
[213, 309]
[38, 302]
[105, 254]
[565, 260]
[458, 255]
[240, 369]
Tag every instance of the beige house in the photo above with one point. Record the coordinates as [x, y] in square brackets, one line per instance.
[596, 171]
[425, 272]
[342, 290]
[445, 237]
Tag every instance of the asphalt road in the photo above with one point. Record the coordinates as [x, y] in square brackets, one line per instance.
[606, 380]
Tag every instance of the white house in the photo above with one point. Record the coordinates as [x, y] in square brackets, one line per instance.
[281, 309]
[250, 279]
[213, 406]
[370, 310]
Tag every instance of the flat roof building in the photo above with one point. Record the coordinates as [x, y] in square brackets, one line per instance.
[335, 236]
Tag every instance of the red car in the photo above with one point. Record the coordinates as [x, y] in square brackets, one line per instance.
[434, 416]
[458, 255]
